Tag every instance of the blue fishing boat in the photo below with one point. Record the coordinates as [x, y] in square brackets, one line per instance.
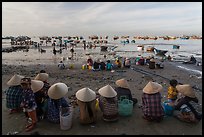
[160, 52]
[176, 46]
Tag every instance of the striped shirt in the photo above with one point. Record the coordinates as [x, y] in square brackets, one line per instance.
[151, 105]
[14, 97]
[109, 107]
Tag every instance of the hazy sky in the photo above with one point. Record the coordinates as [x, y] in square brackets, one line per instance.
[101, 18]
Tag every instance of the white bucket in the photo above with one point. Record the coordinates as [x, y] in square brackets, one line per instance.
[66, 121]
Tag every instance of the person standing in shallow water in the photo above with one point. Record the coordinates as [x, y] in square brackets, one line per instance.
[72, 52]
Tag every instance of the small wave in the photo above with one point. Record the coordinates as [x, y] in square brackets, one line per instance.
[193, 70]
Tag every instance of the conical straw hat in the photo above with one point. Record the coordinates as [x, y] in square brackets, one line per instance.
[152, 87]
[57, 90]
[107, 91]
[85, 95]
[15, 80]
[122, 83]
[42, 77]
[186, 90]
[36, 85]
[152, 60]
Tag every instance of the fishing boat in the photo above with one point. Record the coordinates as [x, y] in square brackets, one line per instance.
[104, 48]
[160, 52]
[176, 46]
[150, 49]
[140, 47]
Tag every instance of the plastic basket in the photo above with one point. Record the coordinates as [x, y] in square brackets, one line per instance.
[66, 114]
[125, 106]
[168, 110]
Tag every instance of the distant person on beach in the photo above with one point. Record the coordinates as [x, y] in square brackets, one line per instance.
[117, 63]
[109, 65]
[102, 65]
[14, 94]
[28, 103]
[54, 50]
[84, 42]
[72, 52]
[172, 91]
[187, 108]
[127, 63]
[89, 62]
[108, 103]
[169, 58]
[191, 61]
[151, 102]
[124, 90]
[86, 99]
[56, 100]
[141, 61]
[61, 65]
[96, 65]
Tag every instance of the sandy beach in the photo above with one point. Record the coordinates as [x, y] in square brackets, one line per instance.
[77, 78]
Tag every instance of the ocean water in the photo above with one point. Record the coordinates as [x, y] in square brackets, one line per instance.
[33, 56]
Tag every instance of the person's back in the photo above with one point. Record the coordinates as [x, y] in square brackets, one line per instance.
[151, 102]
[86, 99]
[53, 114]
[61, 65]
[87, 111]
[89, 62]
[14, 98]
[127, 63]
[108, 103]
[96, 65]
[192, 60]
[109, 108]
[102, 65]
[187, 108]
[108, 65]
[172, 91]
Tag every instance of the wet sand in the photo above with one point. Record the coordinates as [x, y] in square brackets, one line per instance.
[77, 78]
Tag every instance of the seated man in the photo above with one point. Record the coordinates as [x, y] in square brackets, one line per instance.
[124, 90]
[61, 65]
[96, 65]
[191, 61]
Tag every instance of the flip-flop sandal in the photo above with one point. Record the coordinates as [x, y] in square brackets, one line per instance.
[27, 126]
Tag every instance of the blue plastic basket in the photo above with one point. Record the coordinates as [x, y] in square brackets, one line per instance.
[125, 106]
[168, 110]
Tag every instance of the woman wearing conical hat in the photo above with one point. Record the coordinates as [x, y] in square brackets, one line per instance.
[187, 108]
[151, 102]
[14, 93]
[86, 99]
[108, 103]
[56, 100]
[40, 97]
[123, 89]
[43, 76]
